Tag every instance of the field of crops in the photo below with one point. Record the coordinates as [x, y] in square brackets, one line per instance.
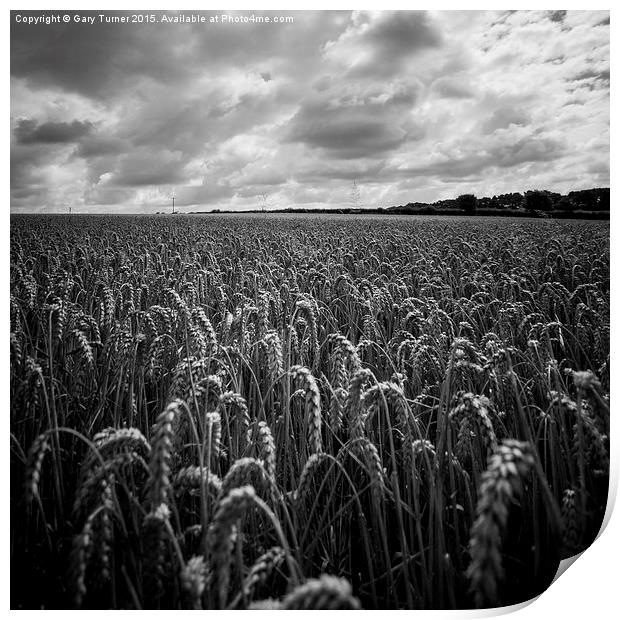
[304, 413]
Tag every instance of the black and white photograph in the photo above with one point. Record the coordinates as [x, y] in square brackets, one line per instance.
[309, 309]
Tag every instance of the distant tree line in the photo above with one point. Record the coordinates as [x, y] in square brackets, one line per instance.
[541, 202]
[586, 203]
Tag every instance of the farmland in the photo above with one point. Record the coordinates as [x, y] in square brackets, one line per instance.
[304, 412]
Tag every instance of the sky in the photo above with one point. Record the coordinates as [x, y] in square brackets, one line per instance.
[411, 105]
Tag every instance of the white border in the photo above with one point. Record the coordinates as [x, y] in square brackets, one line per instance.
[589, 588]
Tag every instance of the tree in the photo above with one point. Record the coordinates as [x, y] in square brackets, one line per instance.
[602, 201]
[595, 199]
[537, 200]
[565, 204]
[467, 203]
[511, 201]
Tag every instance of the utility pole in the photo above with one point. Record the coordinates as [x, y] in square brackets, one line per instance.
[173, 205]
[355, 195]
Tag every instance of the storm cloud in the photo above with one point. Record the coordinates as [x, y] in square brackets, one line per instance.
[412, 105]
[353, 129]
[28, 131]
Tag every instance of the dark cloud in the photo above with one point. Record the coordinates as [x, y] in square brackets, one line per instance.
[342, 170]
[108, 195]
[401, 96]
[23, 157]
[29, 131]
[526, 150]
[343, 174]
[83, 59]
[591, 74]
[557, 60]
[144, 167]
[501, 18]
[556, 16]
[265, 176]
[348, 132]
[27, 166]
[391, 40]
[323, 83]
[101, 145]
[501, 155]
[503, 117]
[451, 88]
[397, 35]
[362, 122]
[104, 59]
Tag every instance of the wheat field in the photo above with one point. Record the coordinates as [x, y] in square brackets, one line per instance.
[256, 412]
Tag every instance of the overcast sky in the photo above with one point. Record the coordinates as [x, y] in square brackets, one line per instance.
[414, 106]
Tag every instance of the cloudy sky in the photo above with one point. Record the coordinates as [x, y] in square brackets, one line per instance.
[413, 106]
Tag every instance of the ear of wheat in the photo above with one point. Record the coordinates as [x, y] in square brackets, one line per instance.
[267, 448]
[312, 407]
[501, 482]
[194, 580]
[230, 510]
[36, 454]
[327, 592]
[262, 569]
[158, 483]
